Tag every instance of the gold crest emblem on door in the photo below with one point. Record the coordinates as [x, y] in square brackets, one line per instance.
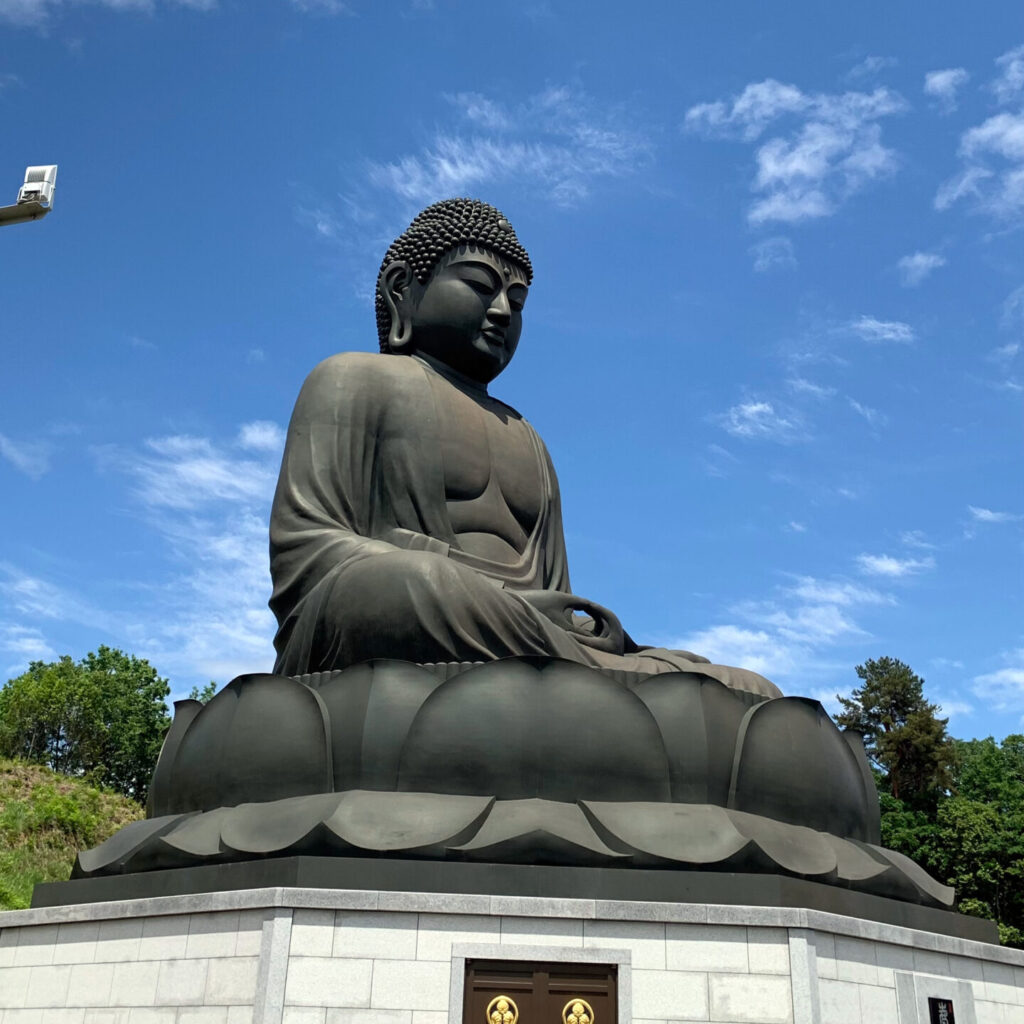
[502, 1010]
[577, 1011]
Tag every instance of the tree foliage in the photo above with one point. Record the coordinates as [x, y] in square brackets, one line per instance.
[954, 806]
[903, 734]
[103, 717]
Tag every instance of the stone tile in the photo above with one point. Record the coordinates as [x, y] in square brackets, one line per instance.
[670, 995]
[434, 902]
[181, 983]
[231, 981]
[250, 932]
[437, 932]
[48, 985]
[312, 933]
[539, 907]
[706, 947]
[135, 984]
[236, 1015]
[345, 1016]
[304, 1015]
[212, 934]
[768, 950]
[375, 935]
[90, 985]
[989, 1013]
[927, 961]
[319, 981]
[644, 939]
[35, 945]
[164, 938]
[750, 997]
[14, 987]
[825, 954]
[855, 960]
[894, 958]
[541, 931]
[76, 942]
[8, 944]
[410, 984]
[107, 1016]
[429, 1017]
[153, 1015]
[23, 1016]
[54, 1015]
[203, 1015]
[118, 941]
[840, 1002]
[1000, 983]
[878, 1004]
[624, 910]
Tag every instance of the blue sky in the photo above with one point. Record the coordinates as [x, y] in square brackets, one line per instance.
[773, 342]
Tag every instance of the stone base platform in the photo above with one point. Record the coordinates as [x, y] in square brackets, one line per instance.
[328, 956]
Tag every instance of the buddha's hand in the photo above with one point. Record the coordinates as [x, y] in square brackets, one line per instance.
[605, 633]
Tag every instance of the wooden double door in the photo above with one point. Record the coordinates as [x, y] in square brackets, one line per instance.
[503, 992]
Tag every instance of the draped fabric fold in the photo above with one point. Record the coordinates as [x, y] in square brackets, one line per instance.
[364, 559]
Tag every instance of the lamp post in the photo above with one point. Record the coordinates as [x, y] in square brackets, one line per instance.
[35, 197]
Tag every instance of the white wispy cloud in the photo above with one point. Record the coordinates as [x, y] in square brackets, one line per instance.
[830, 149]
[873, 417]
[761, 420]
[30, 457]
[802, 386]
[1008, 85]
[893, 568]
[1003, 689]
[869, 328]
[789, 637]
[953, 707]
[917, 266]
[321, 6]
[992, 152]
[23, 644]
[558, 143]
[915, 539]
[773, 254]
[208, 501]
[870, 67]
[943, 85]
[987, 515]
[34, 13]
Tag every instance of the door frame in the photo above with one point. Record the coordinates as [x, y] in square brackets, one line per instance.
[621, 959]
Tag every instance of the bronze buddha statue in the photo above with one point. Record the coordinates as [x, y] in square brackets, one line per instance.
[440, 693]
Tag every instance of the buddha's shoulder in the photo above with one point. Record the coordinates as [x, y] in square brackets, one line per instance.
[348, 371]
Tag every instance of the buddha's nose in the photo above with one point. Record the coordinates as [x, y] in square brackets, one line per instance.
[500, 312]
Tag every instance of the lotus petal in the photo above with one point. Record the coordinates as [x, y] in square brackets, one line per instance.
[198, 834]
[686, 833]
[699, 719]
[263, 737]
[538, 831]
[799, 850]
[793, 765]
[406, 821]
[535, 728]
[370, 708]
[278, 825]
[118, 849]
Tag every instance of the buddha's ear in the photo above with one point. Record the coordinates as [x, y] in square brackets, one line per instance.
[396, 287]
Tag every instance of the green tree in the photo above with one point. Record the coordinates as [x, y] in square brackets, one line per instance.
[103, 717]
[902, 733]
[206, 694]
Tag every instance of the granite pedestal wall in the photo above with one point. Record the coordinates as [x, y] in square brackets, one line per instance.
[316, 956]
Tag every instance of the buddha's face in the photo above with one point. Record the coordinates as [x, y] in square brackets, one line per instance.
[469, 314]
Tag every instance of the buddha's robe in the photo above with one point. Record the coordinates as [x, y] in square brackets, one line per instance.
[410, 514]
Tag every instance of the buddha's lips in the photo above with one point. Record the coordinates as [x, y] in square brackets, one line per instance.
[494, 335]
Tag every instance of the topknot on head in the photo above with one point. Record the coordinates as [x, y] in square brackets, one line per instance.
[443, 226]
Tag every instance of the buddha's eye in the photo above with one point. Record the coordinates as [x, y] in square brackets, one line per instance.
[480, 287]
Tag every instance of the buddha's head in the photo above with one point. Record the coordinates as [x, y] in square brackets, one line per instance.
[452, 288]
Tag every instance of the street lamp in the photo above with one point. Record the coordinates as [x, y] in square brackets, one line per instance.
[35, 197]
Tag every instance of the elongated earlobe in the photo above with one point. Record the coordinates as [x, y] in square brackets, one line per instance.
[396, 281]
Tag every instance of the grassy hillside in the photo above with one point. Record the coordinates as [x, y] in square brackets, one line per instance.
[45, 819]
